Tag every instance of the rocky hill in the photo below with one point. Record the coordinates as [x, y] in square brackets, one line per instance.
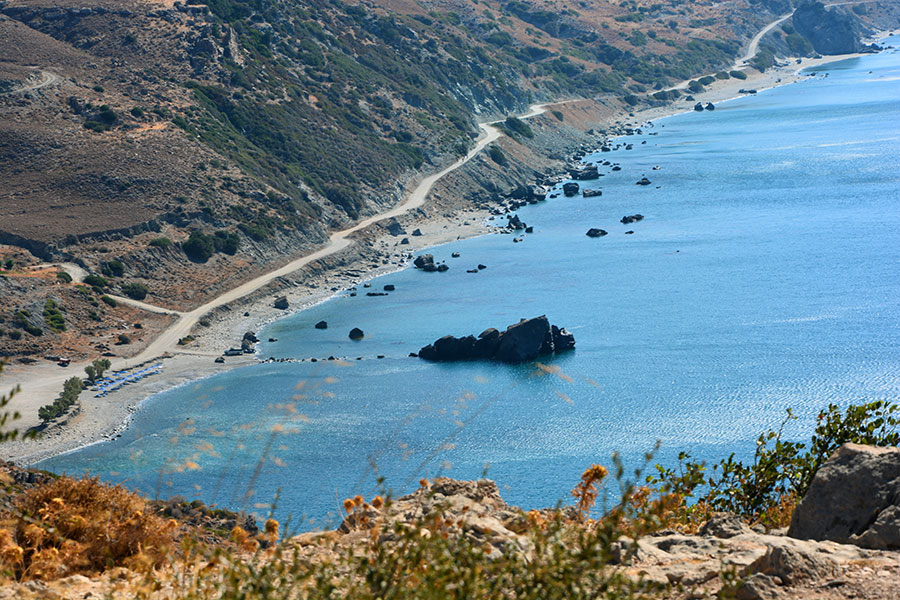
[194, 145]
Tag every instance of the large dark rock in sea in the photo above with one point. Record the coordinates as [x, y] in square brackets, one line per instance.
[829, 31]
[356, 334]
[425, 262]
[570, 189]
[526, 340]
[594, 232]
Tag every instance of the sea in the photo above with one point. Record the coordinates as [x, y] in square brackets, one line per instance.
[764, 276]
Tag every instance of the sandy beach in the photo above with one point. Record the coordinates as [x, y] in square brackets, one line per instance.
[249, 308]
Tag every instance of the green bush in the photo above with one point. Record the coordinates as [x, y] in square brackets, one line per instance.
[498, 156]
[519, 126]
[114, 268]
[558, 115]
[161, 242]
[199, 246]
[706, 80]
[738, 74]
[95, 281]
[226, 242]
[53, 317]
[134, 290]
[109, 300]
[64, 277]
[781, 470]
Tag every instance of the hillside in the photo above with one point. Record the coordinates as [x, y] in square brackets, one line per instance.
[176, 150]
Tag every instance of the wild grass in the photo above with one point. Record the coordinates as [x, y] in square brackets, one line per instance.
[83, 526]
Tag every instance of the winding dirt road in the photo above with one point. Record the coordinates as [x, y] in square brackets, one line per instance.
[42, 383]
[45, 78]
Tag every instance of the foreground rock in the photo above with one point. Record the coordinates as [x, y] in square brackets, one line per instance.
[854, 498]
[526, 340]
[767, 566]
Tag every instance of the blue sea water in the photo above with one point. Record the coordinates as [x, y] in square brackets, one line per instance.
[765, 275]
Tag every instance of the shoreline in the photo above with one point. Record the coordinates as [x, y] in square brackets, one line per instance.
[104, 419]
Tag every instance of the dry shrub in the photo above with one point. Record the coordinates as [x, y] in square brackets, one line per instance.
[73, 526]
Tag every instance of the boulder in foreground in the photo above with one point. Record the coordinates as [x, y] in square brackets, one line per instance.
[854, 498]
[524, 341]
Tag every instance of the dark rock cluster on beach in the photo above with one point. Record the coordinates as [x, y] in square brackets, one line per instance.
[526, 340]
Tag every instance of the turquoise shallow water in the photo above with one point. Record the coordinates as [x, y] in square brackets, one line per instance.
[765, 275]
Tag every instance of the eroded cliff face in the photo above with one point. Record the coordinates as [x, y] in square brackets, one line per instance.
[830, 31]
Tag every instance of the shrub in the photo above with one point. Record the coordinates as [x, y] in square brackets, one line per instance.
[95, 281]
[15, 334]
[64, 277]
[519, 126]
[706, 80]
[113, 268]
[199, 247]
[70, 526]
[137, 112]
[161, 242]
[135, 290]
[123, 340]
[497, 155]
[781, 471]
[226, 242]
[558, 115]
[738, 74]
[109, 300]
[53, 317]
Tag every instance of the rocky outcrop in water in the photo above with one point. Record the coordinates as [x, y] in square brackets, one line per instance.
[526, 340]
[570, 189]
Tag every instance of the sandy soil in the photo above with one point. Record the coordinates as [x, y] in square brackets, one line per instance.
[250, 306]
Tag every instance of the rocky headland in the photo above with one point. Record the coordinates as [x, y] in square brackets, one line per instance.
[524, 341]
